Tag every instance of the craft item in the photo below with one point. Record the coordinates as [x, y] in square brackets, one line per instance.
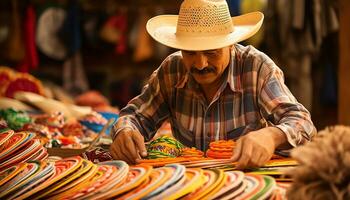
[6, 103]
[21, 154]
[118, 175]
[6, 76]
[27, 172]
[194, 180]
[15, 119]
[157, 178]
[63, 168]
[221, 149]
[254, 184]
[234, 185]
[44, 172]
[214, 181]
[16, 141]
[75, 185]
[163, 147]
[23, 82]
[159, 162]
[83, 168]
[9, 173]
[179, 172]
[191, 153]
[266, 192]
[5, 136]
[136, 176]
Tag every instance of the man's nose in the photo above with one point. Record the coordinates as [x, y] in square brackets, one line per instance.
[200, 61]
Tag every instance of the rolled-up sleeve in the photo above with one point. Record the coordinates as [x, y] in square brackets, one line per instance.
[282, 108]
[145, 112]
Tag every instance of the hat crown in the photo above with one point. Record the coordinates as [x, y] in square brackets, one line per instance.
[204, 18]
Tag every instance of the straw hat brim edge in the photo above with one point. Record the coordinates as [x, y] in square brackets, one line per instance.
[162, 28]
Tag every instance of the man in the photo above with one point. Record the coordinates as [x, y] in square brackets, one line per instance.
[213, 89]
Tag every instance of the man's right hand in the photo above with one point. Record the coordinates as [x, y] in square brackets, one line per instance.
[129, 146]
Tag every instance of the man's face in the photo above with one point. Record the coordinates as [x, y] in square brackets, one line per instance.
[206, 66]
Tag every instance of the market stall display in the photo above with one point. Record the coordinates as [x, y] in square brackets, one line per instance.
[12, 81]
[77, 178]
[185, 173]
[19, 147]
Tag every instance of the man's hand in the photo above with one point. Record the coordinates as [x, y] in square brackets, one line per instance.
[257, 147]
[129, 146]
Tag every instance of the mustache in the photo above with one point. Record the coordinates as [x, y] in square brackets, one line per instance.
[205, 70]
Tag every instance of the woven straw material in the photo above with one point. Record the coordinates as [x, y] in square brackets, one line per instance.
[203, 25]
[209, 20]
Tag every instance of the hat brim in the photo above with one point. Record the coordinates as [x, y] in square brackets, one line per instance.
[163, 29]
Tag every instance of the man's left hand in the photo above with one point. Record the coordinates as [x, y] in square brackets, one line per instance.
[257, 147]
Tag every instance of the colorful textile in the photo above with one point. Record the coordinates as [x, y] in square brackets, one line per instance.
[164, 147]
[97, 155]
[252, 92]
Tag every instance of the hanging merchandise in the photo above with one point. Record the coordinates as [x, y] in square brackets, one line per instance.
[31, 60]
[15, 49]
[298, 29]
[74, 77]
[162, 50]
[114, 31]
[50, 22]
[69, 32]
[143, 47]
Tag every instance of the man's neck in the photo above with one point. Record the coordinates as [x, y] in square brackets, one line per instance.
[211, 89]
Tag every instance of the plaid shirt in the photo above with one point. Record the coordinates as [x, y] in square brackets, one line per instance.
[253, 94]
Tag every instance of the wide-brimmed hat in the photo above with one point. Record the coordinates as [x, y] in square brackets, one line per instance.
[203, 25]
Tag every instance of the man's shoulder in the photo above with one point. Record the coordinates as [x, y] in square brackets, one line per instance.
[253, 59]
[172, 70]
[250, 52]
[173, 63]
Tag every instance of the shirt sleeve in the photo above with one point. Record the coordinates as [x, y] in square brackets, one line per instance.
[147, 111]
[282, 108]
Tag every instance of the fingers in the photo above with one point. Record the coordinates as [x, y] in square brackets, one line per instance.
[244, 159]
[130, 147]
[256, 159]
[123, 156]
[237, 151]
[117, 153]
[127, 146]
[140, 145]
[252, 151]
[112, 150]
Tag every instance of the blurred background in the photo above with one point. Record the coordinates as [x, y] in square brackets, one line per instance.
[101, 48]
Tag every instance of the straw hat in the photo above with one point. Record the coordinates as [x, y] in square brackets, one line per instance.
[203, 25]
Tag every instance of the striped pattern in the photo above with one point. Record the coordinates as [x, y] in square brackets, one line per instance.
[253, 91]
